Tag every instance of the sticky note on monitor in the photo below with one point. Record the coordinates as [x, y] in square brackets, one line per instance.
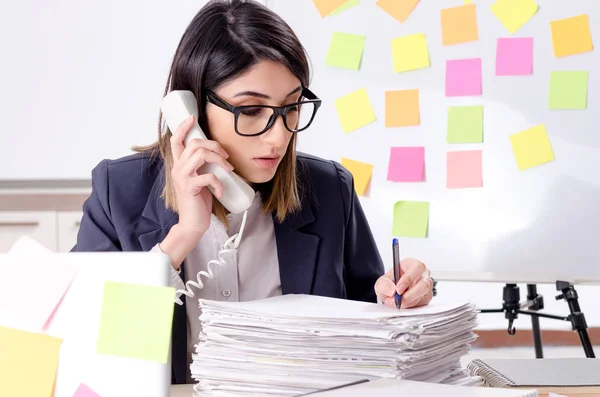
[349, 4]
[571, 36]
[465, 124]
[48, 281]
[345, 51]
[326, 7]
[136, 321]
[28, 363]
[402, 108]
[463, 169]
[514, 56]
[463, 77]
[513, 14]
[85, 391]
[361, 172]
[531, 147]
[411, 219]
[568, 89]
[407, 164]
[398, 9]
[354, 110]
[459, 24]
[410, 53]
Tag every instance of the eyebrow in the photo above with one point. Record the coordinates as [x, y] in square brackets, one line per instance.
[263, 96]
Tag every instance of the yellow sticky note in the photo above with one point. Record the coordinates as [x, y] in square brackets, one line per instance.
[514, 13]
[398, 9]
[459, 24]
[402, 108]
[326, 7]
[410, 52]
[28, 363]
[345, 50]
[411, 219]
[531, 147]
[361, 172]
[467, 1]
[571, 36]
[355, 110]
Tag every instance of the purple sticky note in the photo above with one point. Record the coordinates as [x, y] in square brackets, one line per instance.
[85, 391]
[407, 164]
[463, 77]
[514, 56]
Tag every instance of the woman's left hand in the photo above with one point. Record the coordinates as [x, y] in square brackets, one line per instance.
[415, 285]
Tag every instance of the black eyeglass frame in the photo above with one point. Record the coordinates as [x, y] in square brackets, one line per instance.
[211, 97]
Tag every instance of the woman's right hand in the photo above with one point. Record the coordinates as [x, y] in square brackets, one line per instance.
[193, 198]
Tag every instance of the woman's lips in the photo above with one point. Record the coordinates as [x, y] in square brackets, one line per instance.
[266, 162]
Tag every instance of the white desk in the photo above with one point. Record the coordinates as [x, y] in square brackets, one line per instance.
[510, 278]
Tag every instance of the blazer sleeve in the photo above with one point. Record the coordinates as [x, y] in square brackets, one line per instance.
[96, 230]
[363, 263]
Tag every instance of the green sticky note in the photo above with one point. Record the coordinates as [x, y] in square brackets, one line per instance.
[465, 124]
[136, 321]
[411, 219]
[345, 50]
[568, 90]
[345, 6]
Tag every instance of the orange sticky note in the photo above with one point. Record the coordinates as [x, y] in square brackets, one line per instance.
[326, 7]
[571, 36]
[459, 24]
[28, 363]
[402, 108]
[398, 9]
[361, 172]
[463, 169]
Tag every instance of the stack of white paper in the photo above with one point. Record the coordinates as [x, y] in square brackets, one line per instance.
[295, 344]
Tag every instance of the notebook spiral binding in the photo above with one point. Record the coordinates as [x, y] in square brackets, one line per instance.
[230, 246]
[491, 377]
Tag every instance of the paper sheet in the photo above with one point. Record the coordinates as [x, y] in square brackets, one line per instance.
[459, 24]
[85, 391]
[28, 363]
[361, 172]
[568, 89]
[571, 36]
[411, 219]
[463, 77]
[326, 7]
[531, 147]
[410, 52]
[407, 164]
[398, 9]
[354, 110]
[349, 4]
[345, 50]
[402, 108]
[463, 169]
[513, 14]
[136, 321]
[465, 124]
[514, 56]
[34, 309]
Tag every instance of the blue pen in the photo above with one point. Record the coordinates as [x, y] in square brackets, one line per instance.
[397, 275]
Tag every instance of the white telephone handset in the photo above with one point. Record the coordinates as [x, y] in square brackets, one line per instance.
[176, 108]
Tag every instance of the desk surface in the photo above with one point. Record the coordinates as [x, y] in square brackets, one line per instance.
[182, 391]
[512, 278]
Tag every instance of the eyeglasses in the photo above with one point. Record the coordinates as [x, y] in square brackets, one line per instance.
[253, 120]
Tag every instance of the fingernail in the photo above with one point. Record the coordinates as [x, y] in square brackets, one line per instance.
[230, 167]
[401, 288]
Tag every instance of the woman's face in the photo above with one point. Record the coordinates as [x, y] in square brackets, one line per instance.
[255, 158]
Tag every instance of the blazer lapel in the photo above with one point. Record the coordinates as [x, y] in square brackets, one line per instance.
[296, 252]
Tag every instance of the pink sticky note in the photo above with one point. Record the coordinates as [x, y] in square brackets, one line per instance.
[514, 56]
[85, 391]
[34, 301]
[463, 77]
[463, 169]
[407, 164]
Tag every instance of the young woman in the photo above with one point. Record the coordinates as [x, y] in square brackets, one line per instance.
[305, 232]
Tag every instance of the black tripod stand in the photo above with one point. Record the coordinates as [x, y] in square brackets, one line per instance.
[512, 307]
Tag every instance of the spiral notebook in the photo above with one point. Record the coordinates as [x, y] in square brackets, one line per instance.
[570, 376]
